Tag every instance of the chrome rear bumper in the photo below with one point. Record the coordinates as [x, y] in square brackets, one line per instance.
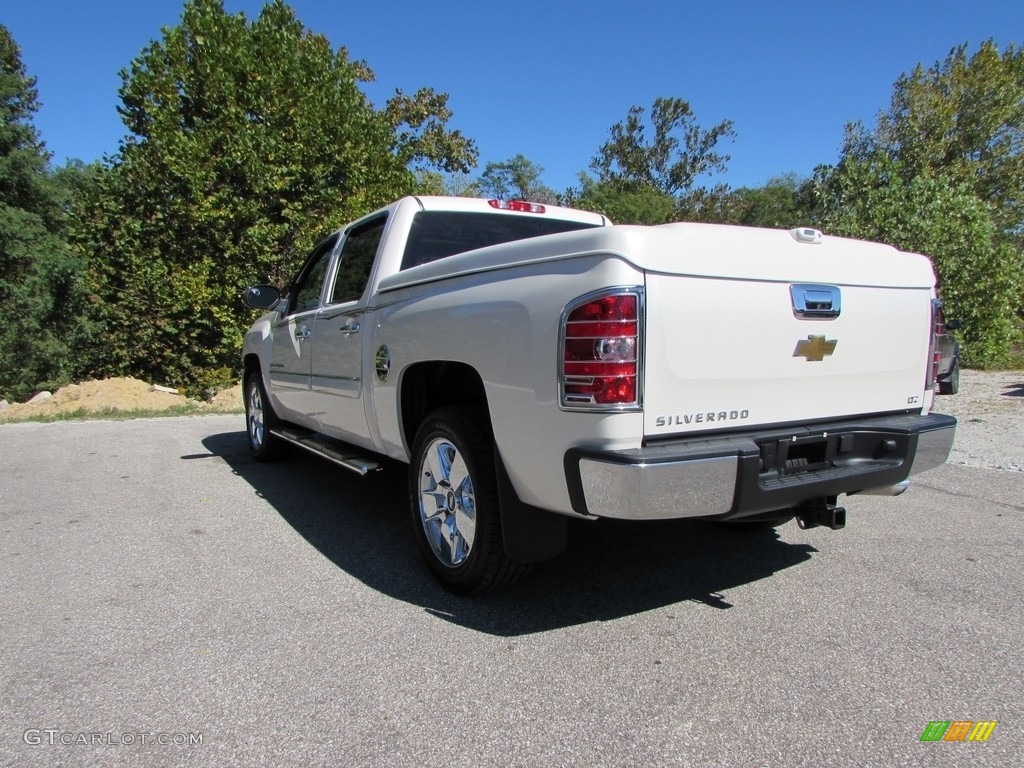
[746, 474]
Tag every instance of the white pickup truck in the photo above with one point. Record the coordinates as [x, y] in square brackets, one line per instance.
[533, 363]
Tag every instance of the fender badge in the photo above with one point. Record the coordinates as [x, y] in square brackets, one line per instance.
[815, 348]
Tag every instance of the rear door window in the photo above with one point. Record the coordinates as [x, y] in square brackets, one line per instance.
[356, 260]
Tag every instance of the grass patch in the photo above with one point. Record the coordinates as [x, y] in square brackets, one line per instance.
[116, 414]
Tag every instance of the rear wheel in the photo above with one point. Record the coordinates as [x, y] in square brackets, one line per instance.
[259, 420]
[454, 498]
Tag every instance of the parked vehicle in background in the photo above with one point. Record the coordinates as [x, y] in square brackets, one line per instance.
[533, 363]
[948, 349]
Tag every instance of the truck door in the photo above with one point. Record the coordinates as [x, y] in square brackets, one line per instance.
[339, 336]
[290, 364]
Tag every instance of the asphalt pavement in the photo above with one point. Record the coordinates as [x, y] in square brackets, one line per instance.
[164, 600]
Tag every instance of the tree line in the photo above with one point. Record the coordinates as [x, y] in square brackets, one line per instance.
[228, 173]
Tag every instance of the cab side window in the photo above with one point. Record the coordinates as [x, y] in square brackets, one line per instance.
[309, 284]
[356, 261]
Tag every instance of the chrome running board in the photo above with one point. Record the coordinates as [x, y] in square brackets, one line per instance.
[350, 459]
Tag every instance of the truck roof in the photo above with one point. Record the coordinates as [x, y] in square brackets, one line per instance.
[484, 205]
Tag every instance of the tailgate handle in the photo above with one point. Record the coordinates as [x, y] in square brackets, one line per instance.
[815, 302]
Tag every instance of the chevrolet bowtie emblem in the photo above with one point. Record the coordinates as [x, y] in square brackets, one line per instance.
[815, 348]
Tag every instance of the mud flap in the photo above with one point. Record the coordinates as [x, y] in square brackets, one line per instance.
[529, 534]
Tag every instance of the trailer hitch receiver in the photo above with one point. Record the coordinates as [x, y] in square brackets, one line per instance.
[821, 512]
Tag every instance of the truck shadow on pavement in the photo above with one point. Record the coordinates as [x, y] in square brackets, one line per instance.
[610, 569]
[1014, 390]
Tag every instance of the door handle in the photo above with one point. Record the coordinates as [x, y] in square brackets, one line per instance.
[350, 328]
[812, 302]
[302, 333]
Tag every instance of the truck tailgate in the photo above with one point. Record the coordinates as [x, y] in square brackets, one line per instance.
[727, 346]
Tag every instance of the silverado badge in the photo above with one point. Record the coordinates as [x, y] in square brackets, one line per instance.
[815, 348]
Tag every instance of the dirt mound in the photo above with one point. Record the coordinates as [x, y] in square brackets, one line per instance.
[119, 395]
[227, 400]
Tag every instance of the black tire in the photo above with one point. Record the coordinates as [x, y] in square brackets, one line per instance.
[259, 420]
[453, 493]
[951, 384]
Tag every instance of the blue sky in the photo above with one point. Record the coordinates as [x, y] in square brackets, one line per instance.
[548, 79]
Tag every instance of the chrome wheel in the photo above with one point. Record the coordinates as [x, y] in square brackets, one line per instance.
[447, 503]
[260, 421]
[255, 416]
[453, 495]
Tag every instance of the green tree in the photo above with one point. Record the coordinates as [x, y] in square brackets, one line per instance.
[652, 181]
[943, 174]
[421, 137]
[39, 277]
[515, 179]
[457, 184]
[962, 118]
[980, 275]
[678, 155]
[622, 202]
[247, 142]
[779, 204]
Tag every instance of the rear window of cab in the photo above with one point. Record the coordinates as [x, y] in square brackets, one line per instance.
[438, 234]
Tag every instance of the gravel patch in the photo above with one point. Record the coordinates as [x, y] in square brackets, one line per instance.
[990, 411]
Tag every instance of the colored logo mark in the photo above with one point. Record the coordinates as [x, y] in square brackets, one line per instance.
[815, 348]
[958, 730]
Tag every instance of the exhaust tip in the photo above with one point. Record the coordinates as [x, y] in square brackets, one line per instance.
[888, 490]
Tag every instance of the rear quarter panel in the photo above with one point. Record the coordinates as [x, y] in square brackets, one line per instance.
[504, 323]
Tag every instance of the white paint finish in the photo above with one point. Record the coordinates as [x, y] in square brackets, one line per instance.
[720, 334]
[717, 346]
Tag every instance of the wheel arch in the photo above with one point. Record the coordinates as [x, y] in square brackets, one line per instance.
[529, 534]
[429, 385]
[250, 365]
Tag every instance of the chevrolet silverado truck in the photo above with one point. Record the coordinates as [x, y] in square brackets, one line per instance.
[533, 364]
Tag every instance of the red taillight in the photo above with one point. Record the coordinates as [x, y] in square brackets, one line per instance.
[517, 205]
[600, 362]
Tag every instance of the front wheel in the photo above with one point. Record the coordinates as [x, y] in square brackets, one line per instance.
[259, 420]
[453, 491]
